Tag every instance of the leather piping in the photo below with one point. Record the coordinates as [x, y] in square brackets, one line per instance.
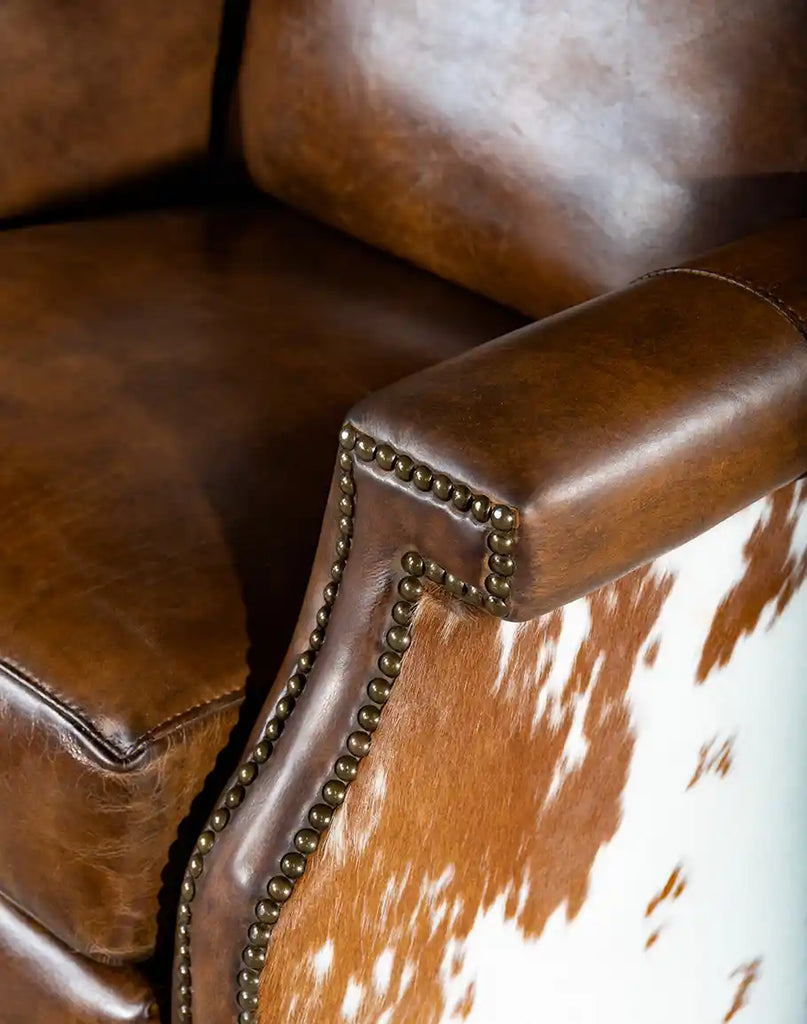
[779, 304]
[117, 757]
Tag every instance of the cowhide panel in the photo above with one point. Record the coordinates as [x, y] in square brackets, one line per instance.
[596, 818]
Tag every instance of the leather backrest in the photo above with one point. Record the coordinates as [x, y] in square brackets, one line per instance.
[97, 95]
[539, 151]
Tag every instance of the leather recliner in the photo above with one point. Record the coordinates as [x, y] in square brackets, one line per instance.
[557, 577]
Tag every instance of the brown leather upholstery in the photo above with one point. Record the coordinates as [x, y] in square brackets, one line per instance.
[44, 982]
[169, 389]
[654, 412]
[96, 94]
[622, 428]
[541, 152]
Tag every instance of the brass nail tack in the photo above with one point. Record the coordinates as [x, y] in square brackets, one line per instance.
[480, 508]
[402, 612]
[462, 497]
[306, 840]
[413, 564]
[442, 487]
[259, 934]
[434, 571]
[219, 819]
[293, 865]
[254, 956]
[279, 888]
[502, 518]
[365, 448]
[404, 467]
[502, 565]
[249, 980]
[346, 768]
[306, 661]
[274, 729]
[422, 478]
[320, 816]
[410, 588]
[248, 1000]
[369, 717]
[205, 841]
[347, 437]
[378, 690]
[333, 792]
[284, 708]
[234, 796]
[501, 543]
[385, 456]
[398, 638]
[296, 684]
[358, 743]
[267, 911]
[390, 664]
[498, 586]
[262, 752]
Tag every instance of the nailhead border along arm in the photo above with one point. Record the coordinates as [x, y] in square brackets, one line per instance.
[501, 523]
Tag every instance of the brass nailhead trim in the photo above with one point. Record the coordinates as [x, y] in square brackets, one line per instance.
[495, 599]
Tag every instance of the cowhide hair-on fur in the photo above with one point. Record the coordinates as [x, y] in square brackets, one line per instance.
[598, 817]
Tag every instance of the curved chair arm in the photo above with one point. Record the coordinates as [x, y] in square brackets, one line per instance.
[515, 478]
[625, 426]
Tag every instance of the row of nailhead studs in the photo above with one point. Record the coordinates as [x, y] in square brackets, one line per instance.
[502, 519]
[345, 770]
[248, 771]
[501, 541]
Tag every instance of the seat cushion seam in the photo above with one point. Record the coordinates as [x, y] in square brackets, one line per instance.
[123, 756]
[177, 721]
[768, 296]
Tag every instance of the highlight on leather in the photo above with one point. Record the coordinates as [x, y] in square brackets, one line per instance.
[595, 814]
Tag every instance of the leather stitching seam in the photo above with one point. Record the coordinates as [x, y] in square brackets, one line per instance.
[771, 298]
[122, 756]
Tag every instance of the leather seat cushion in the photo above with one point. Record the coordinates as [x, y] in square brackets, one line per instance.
[42, 981]
[171, 386]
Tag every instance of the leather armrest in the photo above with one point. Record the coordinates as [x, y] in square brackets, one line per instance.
[623, 427]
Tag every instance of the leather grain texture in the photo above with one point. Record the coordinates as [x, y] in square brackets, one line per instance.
[98, 94]
[540, 153]
[170, 386]
[627, 425]
[44, 982]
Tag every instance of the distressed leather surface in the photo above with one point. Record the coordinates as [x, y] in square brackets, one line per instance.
[96, 95]
[42, 981]
[538, 152]
[170, 386]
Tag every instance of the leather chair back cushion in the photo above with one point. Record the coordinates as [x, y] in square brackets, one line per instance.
[539, 153]
[96, 94]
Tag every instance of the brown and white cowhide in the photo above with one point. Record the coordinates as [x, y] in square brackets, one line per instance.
[596, 818]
